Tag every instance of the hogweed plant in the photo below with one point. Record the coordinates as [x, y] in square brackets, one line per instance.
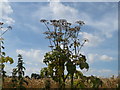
[65, 52]
[3, 58]
[65, 49]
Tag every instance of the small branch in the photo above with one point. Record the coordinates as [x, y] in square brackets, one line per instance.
[47, 27]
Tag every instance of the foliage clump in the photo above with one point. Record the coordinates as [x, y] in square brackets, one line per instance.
[18, 74]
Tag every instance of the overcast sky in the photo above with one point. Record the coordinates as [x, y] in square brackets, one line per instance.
[27, 38]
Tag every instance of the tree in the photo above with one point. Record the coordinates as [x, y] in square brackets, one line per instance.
[65, 49]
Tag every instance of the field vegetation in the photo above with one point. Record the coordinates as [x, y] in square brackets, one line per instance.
[48, 82]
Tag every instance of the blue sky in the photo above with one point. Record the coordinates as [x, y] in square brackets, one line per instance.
[27, 38]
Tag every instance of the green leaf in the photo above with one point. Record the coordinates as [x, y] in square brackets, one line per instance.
[23, 73]
[77, 62]
[96, 82]
[2, 60]
[81, 65]
[25, 82]
[9, 59]
[70, 67]
[82, 59]
[79, 73]
[2, 66]
[84, 65]
[81, 85]
[3, 53]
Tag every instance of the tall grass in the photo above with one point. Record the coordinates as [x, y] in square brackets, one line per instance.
[41, 83]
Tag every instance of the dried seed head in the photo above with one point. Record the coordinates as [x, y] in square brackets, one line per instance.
[80, 22]
[51, 46]
[46, 32]
[43, 20]
[53, 21]
[1, 23]
[72, 29]
[77, 27]
[9, 27]
[86, 40]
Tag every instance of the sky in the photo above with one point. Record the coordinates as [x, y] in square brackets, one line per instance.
[27, 38]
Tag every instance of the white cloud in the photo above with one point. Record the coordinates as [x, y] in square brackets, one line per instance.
[63, 0]
[103, 27]
[31, 67]
[100, 72]
[93, 57]
[36, 55]
[8, 69]
[105, 58]
[6, 10]
[56, 10]
[106, 25]
[104, 71]
[31, 70]
[94, 40]
[33, 59]
[33, 27]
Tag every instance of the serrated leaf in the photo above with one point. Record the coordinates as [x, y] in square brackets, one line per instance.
[24, 68]
[84, 65]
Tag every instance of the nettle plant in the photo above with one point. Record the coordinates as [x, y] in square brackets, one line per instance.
[14, 78]
[20, 72]
[65, 49]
